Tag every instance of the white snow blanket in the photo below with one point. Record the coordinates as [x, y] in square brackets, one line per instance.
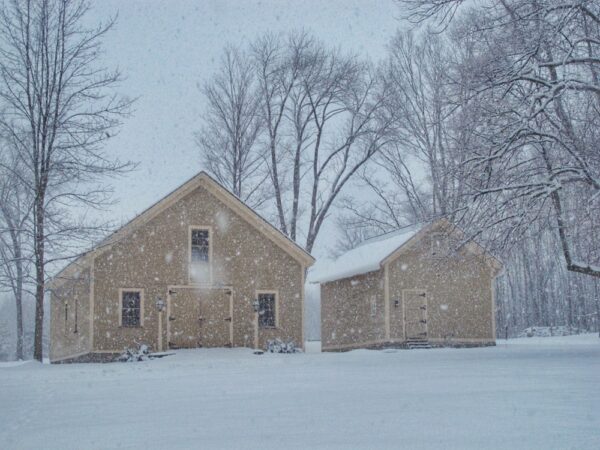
[538, 393]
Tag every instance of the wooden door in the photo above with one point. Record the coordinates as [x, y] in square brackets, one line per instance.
[215, 319]
[415, 314]
[184, 318]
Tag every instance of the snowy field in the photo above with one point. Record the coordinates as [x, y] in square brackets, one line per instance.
[538, 393]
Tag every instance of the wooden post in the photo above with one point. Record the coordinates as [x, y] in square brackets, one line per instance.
[160, 337]
[256, 330]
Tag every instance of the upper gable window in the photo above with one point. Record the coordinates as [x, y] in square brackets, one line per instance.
[200, 245]
[373, 305]
[440, 245]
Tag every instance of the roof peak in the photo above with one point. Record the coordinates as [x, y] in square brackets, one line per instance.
[223, 194]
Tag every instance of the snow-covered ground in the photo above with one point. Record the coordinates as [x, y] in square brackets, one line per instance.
[538, 393]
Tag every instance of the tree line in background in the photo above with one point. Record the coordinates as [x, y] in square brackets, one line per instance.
[486, 115]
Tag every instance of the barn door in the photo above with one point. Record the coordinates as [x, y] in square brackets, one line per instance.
[184, 314]
[215, 319]
[199, 318]
[415, 314]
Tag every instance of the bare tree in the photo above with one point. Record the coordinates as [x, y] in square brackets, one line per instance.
[325, 118]
[422, 99]
[15, 209]
[229, 137]
[420, 176]
[279, 65]
[59, 109]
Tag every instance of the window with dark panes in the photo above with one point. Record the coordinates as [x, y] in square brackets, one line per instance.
[266, 311]
[131, 309]
[200, 245]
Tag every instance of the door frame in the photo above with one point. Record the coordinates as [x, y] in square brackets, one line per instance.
[424, 291]
[276, 327]
[199, 287]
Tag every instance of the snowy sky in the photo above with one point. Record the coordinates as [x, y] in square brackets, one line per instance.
[167, 49]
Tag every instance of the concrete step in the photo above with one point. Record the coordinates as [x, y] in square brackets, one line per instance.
[417, 343]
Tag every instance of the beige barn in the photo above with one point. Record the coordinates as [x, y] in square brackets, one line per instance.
[409, 288]
[197, 269]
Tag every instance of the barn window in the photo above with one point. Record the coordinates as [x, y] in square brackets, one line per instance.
[200, 245]
[267, 310]
[131, 308]
[373, 305]
[440, 245]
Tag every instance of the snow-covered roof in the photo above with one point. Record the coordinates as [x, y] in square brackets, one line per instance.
[366, 257]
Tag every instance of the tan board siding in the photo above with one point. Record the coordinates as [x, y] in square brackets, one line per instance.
[459, 293]
[70, 335]
[347, 314]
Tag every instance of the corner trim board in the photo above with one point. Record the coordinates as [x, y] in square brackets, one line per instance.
[92, 300]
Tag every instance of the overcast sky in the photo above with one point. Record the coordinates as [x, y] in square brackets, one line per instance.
[167, 49]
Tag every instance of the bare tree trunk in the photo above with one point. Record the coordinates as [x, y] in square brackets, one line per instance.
[19, 305]
[40, 278]
[597, 307]
[15, 278]
[19, 296]
[277, 189]
[295, 192]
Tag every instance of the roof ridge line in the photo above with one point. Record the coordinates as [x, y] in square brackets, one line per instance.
[382, 235]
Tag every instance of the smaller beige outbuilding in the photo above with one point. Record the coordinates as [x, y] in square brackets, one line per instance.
[414, 287]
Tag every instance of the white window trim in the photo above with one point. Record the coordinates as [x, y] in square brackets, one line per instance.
[141, 291]
[276, 294]
[210, 253]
